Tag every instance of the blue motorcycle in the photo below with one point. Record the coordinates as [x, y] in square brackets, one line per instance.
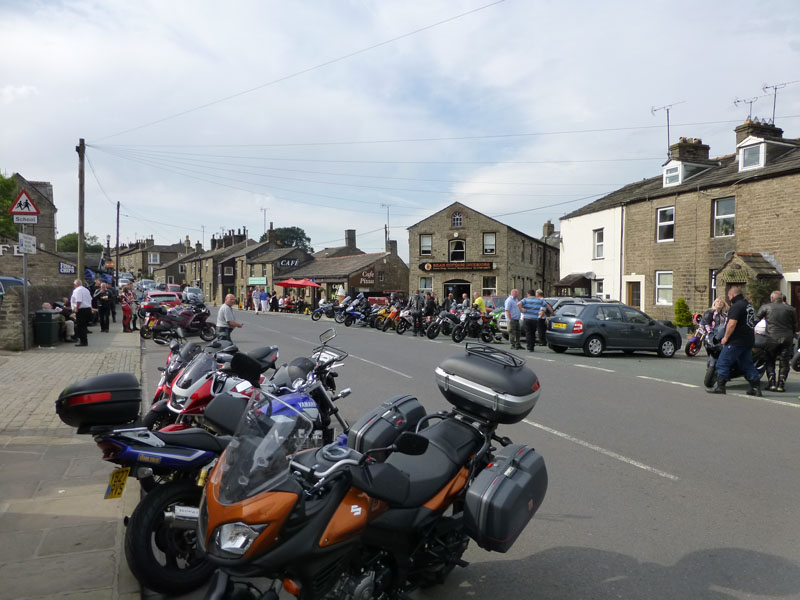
[160, 539]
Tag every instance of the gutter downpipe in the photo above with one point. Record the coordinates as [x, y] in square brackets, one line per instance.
[621, 248]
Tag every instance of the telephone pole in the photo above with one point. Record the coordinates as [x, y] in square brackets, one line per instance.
[81, 150]
[264, 210]
[116, 259]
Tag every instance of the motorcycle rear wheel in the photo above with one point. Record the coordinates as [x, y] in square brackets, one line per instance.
[711, 377]
[339, 317]
[208, 332]
[166, 559]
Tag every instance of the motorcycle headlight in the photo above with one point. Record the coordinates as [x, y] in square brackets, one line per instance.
[236, 538]
[463, 317]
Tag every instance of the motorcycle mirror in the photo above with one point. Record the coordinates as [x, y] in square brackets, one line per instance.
[410, 443]
[343, 394]
[174, 345]
[327, 335]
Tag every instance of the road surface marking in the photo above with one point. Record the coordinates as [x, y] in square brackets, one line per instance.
[689, 385]
[763, 399]
[540, 358]
[609, 453]
[595, 368]
[381, 366]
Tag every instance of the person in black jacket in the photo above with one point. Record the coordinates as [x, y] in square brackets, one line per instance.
[417, 306]
[781, 329]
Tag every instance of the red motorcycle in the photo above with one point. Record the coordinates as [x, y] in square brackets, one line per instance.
[164, 323]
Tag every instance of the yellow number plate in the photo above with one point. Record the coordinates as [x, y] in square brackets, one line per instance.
[116, 483]
[559, 325]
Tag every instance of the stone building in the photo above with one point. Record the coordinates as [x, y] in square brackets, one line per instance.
[349, 248]
[461, 250]
[681, 227]
[41, 193]
[214, 271]
[174, 271]
[143, 257]
[263, 264]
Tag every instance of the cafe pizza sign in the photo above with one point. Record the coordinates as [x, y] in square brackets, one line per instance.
[456, 266]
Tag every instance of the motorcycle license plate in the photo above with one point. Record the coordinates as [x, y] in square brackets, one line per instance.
[559, 325]
[116, 483]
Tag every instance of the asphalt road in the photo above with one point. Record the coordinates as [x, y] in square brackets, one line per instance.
[657, 489]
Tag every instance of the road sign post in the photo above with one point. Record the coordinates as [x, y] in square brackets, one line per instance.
[25, 212]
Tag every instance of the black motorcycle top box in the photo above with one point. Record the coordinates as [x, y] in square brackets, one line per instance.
[489, 383]
[380, 427]
[110, 399]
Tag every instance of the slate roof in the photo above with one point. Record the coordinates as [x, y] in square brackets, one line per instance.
[724, 173]
[268, 256]
[755, 266]
[571, 279]
[225, 253]
[180, 259]
[336, 252]
[340, 266]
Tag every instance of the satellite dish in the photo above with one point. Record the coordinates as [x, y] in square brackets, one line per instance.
[590, 275]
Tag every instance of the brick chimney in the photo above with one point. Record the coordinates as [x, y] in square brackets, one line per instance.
[758, 129]
[198, 246]
[548, 229]
[391, 247]
[350, 239]
[689, 150]
[213, 241]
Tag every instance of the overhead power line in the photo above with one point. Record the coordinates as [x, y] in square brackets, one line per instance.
[304, 71]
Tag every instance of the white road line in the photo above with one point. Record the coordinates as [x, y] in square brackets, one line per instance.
[382, 367]
[689, 385]
[595, 368]
[609, 453]
[539, 358]
[770, 400]
[302, 340]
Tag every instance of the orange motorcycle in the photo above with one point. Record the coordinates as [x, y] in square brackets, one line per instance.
[391, 511]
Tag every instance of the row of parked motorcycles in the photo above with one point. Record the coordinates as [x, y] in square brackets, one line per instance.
[248, 471]
[458, 323]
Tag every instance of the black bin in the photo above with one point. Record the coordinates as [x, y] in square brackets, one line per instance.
[47, 327]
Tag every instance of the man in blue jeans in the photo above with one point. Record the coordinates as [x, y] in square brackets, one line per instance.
[513, 315]
[737, 344]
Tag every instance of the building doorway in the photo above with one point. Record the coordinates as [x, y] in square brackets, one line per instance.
[458, 287]
[635, 294]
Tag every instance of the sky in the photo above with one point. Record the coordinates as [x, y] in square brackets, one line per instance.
[333, 115]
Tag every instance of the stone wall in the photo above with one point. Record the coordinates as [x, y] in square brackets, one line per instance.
[43, 267]
[766, 220]
[11, 312]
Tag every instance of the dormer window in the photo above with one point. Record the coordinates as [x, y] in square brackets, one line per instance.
[751, 157]
[672, 176]
[677, 172]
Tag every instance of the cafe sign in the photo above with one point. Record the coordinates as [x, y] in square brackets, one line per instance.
[287, 263]
[362, 278]
[456, 266]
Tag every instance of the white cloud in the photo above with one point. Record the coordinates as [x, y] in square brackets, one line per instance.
[12, 93]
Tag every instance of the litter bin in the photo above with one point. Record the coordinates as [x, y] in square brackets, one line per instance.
[47, 327]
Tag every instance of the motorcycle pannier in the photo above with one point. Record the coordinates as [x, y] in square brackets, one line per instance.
[110, 399]
[489, 383]
[381, 426]
[504, 497]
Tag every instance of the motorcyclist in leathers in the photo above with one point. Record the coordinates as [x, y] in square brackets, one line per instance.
[781, 327]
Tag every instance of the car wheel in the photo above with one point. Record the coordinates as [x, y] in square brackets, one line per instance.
[557, 349]
[593, 346]
[667, 348]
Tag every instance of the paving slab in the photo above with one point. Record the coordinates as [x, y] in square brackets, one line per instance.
[58, 537]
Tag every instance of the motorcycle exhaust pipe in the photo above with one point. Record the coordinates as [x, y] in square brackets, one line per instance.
[182, 517]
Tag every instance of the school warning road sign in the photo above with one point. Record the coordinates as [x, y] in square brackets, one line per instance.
[23, 205]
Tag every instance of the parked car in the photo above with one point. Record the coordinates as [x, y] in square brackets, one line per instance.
[168, 299]
[493, 303]
[192, 295]
[598, 326]
[554, 302]
[125, 275]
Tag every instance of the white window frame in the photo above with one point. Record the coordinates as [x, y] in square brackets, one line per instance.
[598, 247]
[663, 287]
[450, 250]
[153, 258]
[673, 175]
[489, 291]
[713, 284]
[422, 284]
[181, 268]
[456, 220]
[227, 271]
[660, 224]
[762, 152]
[170, 279]
[717, 218]
[490, 248]
[597, 288]
[429, 236]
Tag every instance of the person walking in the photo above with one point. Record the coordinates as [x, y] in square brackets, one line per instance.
[126, 302]
[530, 307]
[225, 321]
[81, 304]
[256, 296]
[513, 315]
[737, 344]
[781, 328]
[103, 299]
[114, 299]
[264, 299]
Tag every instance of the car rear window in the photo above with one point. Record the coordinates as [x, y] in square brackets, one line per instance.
[163, 297]
[570, 310]
[193, 291]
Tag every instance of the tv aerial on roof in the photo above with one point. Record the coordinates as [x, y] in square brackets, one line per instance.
[666, 107]
[775, 87]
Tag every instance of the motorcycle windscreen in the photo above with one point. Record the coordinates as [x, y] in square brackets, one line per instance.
[270, 433]
[197, 368]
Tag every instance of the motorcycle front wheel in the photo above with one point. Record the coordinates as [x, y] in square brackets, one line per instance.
[349, 320]
[316, 316]
[487, 336]
[208, 333]
[692, 348]
[459, 333]
[163, 558]
[146, 332]
[433, 331]
[401, 327]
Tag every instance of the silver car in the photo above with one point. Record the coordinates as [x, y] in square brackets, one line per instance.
[192, 295]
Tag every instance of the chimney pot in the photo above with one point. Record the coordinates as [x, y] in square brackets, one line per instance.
[757, 129]
[688, 150]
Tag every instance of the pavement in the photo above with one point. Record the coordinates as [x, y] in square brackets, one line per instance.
[58, 537]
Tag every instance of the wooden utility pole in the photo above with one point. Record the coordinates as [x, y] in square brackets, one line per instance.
[81, 150]
[116, 259]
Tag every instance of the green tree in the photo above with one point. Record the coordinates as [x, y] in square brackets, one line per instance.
[683, 316]
[290, 237]
[69, 243]
[8, 191]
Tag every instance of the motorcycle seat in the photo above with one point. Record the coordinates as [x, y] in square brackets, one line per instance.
[261, 354]
[197, 438]
[409, 481]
